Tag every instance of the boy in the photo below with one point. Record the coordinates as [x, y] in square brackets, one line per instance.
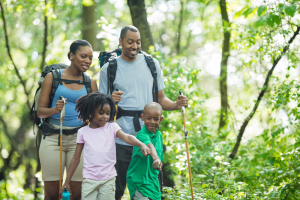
[142, 178]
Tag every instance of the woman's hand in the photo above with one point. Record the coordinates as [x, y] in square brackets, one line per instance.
[145, 150]
[66, 185]
[157, 164]
[60, 105]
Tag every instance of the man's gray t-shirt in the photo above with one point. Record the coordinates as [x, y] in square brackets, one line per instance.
[135, 80]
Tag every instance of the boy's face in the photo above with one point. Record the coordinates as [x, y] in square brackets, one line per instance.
[152, 117]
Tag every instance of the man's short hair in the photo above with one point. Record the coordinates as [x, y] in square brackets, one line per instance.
[125, 29]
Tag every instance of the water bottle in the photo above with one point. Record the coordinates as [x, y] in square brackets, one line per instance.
[66, 194]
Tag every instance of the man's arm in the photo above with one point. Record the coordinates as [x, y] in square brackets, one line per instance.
[167, 104]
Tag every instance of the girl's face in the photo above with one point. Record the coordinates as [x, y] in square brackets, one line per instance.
[101, 117]
[83, 58]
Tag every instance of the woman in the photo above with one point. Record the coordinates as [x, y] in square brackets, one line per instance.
[81, 54]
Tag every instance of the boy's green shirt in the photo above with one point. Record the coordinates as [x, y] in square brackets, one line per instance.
[141, 175]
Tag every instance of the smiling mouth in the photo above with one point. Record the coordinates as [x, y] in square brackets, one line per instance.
[85, 67]
[133, 52]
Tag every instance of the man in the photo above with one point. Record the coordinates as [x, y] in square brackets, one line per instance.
[135, 82]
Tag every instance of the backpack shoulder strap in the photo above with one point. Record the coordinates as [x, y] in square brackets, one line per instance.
[151, 65]
[111, 75]
[87, 82]
[55, 82]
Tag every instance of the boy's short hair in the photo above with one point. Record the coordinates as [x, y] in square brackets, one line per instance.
[152, 105]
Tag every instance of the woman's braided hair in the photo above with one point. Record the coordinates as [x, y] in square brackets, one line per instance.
[86, 105]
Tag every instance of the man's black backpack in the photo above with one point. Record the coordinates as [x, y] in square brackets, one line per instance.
[110, 57]
[55, 69]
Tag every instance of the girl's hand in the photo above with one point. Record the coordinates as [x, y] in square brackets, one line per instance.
[145, 150]
[59, 105]
[157, 164]
[66, 185]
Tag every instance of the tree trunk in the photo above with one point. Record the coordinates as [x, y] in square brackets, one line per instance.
[224, 61]
[179, 27]
[139, 20]
[89, 25]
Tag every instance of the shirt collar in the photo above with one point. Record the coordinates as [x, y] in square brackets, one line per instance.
[144, 129]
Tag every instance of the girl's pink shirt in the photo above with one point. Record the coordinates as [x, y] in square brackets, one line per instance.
[99, 154]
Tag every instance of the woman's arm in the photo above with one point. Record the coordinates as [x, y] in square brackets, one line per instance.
[130, 139]
[43, 111]
[94, 86]
[73, 166]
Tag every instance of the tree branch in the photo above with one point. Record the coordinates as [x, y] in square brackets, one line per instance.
[261, 94]
[45, 38]
[9, 54]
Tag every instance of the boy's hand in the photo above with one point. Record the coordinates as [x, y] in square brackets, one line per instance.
[67, 185]
[145, 150]
[157, 164]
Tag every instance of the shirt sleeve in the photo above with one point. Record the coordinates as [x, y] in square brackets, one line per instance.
[80, 136]
[103, 79]
[160, 82]
[115, 128]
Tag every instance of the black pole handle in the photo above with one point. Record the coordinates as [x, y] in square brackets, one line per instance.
[180, 93]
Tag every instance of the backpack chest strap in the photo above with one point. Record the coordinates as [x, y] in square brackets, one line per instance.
[136, 114]
[66, 81]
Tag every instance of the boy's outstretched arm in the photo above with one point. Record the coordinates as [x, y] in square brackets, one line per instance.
[73, 166]
[129, 139]
[157, 164]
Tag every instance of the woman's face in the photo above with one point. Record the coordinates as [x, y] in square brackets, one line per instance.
[83, 58]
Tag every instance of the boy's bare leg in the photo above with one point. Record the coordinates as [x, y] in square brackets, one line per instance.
[118, 198]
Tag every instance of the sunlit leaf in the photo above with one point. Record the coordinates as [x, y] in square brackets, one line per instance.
[290, 10]
[261, 10]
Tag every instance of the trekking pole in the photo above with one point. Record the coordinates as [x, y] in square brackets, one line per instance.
[62, 115]
[187, 147]
[115, 118]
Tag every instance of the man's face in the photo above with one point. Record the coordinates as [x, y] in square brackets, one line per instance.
[131, 45]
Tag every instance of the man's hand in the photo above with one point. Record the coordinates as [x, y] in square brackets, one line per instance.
[182, 101]
[145, 150]
[157, 164]
[116, 96]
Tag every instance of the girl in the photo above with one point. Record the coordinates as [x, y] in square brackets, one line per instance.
[80, 55]
[98, 141]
